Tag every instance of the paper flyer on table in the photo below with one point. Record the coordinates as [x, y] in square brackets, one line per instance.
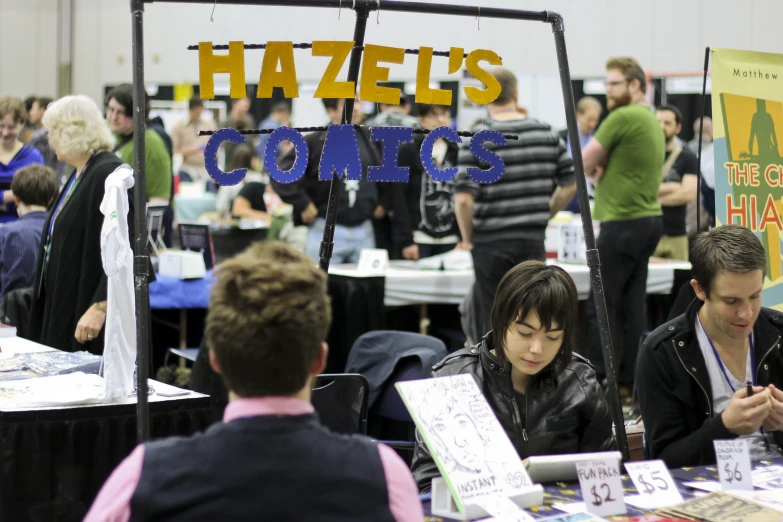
[467, 442]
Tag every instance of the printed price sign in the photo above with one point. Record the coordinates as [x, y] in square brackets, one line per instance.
[602, 487]
[733, 457]
[653, 478]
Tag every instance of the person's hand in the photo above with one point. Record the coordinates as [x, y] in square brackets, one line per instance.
[90, 324]
[598, 173]
[411, 252]
[379, 212]
[774, 420]
[462, 245]
[309, 214]
[744, 415]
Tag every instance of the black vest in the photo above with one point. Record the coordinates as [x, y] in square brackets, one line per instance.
[267, 468]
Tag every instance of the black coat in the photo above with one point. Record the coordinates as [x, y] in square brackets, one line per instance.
[675, 394]
[565, 412]
[74, 278]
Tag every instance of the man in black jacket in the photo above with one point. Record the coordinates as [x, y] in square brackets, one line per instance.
[691, 372]
[310, 196]
[423, 220]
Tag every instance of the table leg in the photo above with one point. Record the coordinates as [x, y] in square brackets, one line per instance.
[424, 319]
[183, 334]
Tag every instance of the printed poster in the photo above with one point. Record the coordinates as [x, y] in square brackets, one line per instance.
[747, 115]
[467, 442]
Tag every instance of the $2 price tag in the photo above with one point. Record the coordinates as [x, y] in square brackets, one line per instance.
[733, 462]
[602, 487]
[653, 478]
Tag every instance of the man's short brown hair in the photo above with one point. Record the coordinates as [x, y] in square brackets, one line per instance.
[729, 248]
[268, 315]
[35, 185]
[14, 107]
[629, 68]
[508, 85]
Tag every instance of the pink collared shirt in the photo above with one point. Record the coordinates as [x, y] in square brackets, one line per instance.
[113, 501]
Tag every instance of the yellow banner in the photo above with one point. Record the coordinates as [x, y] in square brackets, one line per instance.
[747, 113]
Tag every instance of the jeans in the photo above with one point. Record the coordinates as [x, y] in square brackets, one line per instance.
[491, 261]
[348, 241]
[624, 248]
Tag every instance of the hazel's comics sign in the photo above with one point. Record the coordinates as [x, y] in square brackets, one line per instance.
[341, 150]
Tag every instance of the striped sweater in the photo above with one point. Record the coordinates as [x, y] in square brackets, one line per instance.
[517, 206]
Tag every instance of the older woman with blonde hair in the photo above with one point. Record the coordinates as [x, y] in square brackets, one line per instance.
[69, 293]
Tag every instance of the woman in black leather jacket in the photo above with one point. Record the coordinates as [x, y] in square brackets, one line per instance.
[546, 397]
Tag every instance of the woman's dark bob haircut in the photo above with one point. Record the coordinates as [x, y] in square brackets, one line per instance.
[549, 292]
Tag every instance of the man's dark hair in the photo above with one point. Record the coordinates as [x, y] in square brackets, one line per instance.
[729, 248]
[331, 103]
[35, 185]
[195, 102]
[671, 108]
[43, 102]
[123, 94]
[241, 157]
[268, 315]
[629, 68]
[425, 109]
[533, 286]
[28, 102]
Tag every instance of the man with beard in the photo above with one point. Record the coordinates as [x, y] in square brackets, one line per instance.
[678, 186]
[624, 159]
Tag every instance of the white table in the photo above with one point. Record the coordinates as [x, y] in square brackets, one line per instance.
[416, 287]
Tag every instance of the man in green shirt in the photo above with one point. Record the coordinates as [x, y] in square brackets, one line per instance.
[119, 116]
[624, 159]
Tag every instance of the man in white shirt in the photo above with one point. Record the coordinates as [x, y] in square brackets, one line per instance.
[693, 372]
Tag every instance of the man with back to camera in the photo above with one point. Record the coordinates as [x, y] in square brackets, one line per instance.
[269, 459]
[692, 372]
[624, 161]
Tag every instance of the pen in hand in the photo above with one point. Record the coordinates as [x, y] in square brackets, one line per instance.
[749, 388]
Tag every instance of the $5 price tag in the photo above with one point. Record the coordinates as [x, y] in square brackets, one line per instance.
[733, 463]
[602, 487]
[653, 478]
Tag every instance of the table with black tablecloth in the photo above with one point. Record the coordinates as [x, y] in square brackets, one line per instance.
[569, 492]
[54, 460]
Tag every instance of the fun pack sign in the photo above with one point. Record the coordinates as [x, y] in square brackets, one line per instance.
[341, 150]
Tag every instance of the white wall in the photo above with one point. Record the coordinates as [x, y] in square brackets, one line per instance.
[28, 47]
[664, 35]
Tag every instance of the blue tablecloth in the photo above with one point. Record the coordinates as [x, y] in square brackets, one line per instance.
[173, 293]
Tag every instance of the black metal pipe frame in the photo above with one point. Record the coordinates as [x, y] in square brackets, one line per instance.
[701, 133]
[362, 9]
[336, 185]
[140, 258]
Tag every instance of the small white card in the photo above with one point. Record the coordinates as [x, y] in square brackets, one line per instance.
[602, 487]
[373, 261]
[652, 478]
[503, 509]
[733, 462]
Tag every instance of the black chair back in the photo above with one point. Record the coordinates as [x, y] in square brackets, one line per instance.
[341, 402]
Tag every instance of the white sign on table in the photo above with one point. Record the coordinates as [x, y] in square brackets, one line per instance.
[502, 509]
[602, 487]
[652, 478]
[733, 462]
[373, 261]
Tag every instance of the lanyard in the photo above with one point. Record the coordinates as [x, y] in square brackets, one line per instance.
[69, 189]
[752, 375]
[723, 368]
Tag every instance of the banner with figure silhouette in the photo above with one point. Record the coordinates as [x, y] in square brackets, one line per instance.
[747, 113]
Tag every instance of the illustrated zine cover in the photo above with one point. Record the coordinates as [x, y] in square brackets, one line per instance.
[467, 442]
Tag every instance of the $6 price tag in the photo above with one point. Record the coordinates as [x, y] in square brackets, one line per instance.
[733, 462]
[653, 478]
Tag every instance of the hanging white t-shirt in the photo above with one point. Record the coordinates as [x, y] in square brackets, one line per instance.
[722, 393]
[119, 352]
